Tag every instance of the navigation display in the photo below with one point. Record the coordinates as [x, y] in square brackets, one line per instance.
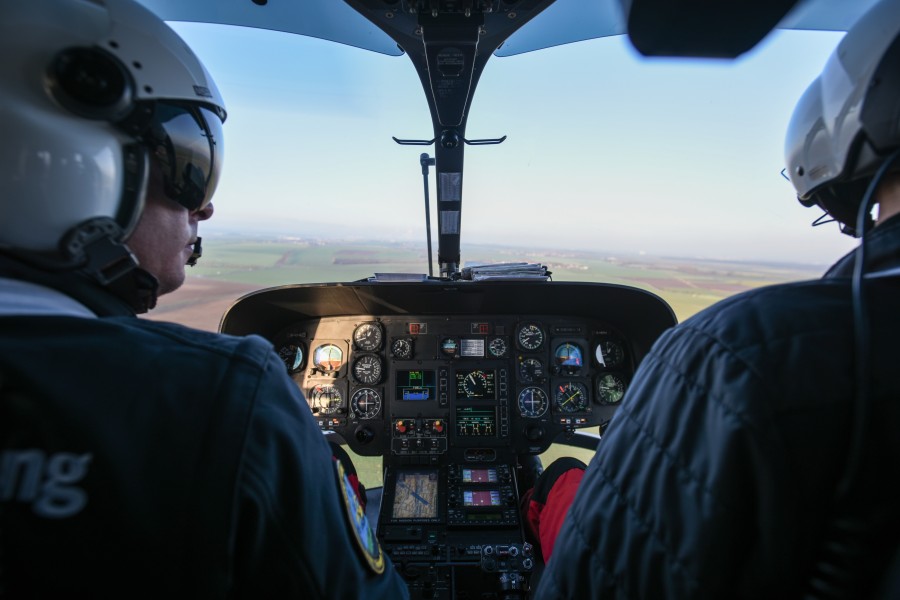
[475, 421]
[416, 494]
[479, 475]
[416, 385]
[481, 498]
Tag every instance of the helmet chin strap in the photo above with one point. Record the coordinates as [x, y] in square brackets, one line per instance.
[96, 247]
[95, 250]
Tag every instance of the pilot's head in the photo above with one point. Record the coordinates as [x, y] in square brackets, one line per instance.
[847, 123]
[111, 131]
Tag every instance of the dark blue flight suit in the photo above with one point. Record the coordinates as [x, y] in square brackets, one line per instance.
[140, 459]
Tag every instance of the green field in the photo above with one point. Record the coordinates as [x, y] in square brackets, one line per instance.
[687, 285]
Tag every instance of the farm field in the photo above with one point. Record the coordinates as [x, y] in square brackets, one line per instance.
[234, 266]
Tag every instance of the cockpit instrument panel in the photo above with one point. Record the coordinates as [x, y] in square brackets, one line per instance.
[427, 369]
[461, 372]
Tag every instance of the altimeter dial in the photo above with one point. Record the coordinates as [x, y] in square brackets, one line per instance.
[367, 369]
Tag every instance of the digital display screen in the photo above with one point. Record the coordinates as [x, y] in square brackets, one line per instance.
[416, 494]
[416, 385]
[475, 385]
[479, 475]
[481, 497]
[471, 348]
[474, 421]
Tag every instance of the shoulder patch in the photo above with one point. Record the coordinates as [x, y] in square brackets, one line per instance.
[360, 531]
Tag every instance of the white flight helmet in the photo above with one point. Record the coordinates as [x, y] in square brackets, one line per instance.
[88, 89]
[848, 121]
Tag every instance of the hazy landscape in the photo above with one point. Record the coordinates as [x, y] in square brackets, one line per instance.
[236, 265]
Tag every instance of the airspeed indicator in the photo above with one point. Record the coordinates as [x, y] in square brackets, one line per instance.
[530, 336]
[368, 337]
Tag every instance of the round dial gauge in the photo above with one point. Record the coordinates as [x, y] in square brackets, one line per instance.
[610, 388]
[449, 346]
[293, 356]
[368, 337]
[571, 396]
[609, 354]
[530, 336]
[497, 347]
[402, 348]
[367, 369]
[365, 403]
[531, 370]
[569, 358]
[325, 399]
[475, 384]
[532, 402]
[328, 358]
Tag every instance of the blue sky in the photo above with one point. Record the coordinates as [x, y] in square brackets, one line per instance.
[606, 151]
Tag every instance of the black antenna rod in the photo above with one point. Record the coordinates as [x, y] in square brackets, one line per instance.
[427, 161]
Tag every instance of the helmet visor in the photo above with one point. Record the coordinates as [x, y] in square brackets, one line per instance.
[187, 142]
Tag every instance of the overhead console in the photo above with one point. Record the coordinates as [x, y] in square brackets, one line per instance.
[453, 384]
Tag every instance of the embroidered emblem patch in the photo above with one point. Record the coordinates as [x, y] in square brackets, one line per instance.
[359, 525]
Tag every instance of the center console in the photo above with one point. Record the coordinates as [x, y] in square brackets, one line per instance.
[457, 386]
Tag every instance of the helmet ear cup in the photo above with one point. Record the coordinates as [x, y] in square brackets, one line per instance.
[91, 83]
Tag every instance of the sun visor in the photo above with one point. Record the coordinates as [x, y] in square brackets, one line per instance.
[700, 28]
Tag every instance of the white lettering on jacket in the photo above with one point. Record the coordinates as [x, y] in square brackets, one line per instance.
[47, 483]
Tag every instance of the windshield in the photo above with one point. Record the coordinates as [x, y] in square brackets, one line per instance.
[658, 173]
